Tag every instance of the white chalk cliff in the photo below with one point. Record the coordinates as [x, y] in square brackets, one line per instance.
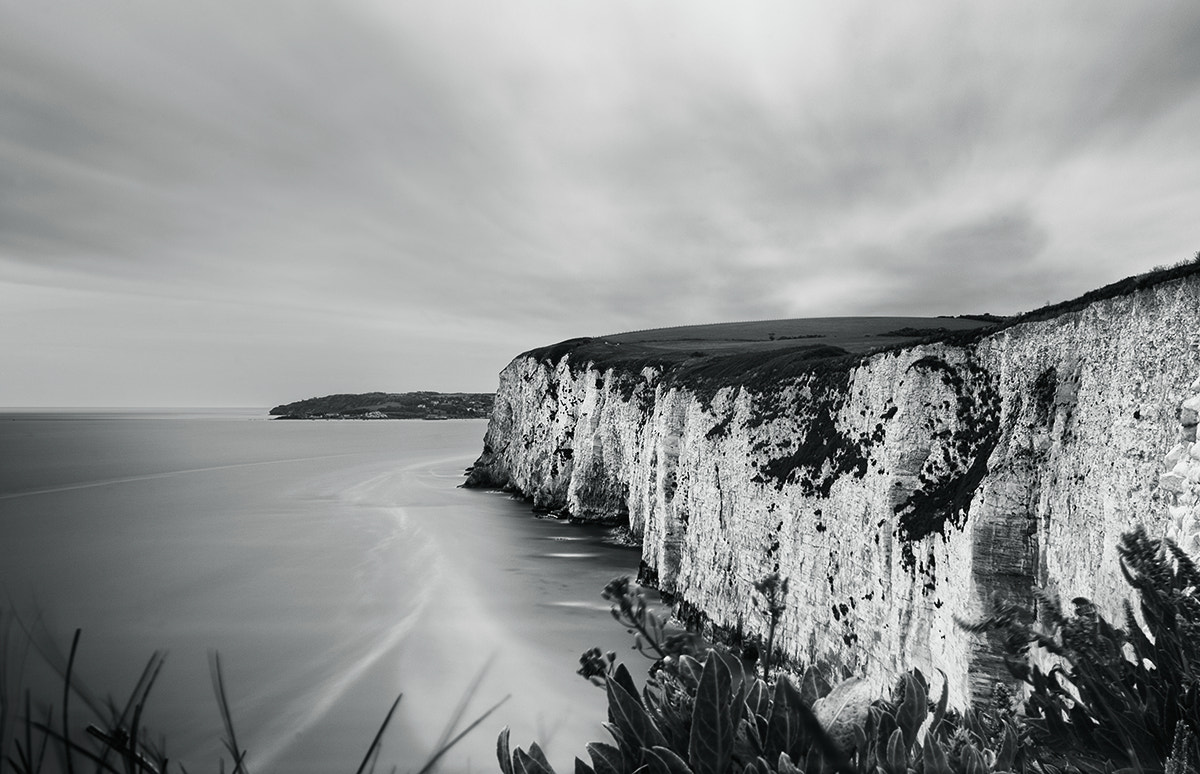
[896, 492]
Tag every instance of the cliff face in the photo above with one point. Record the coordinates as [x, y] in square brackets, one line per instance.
[895, 494]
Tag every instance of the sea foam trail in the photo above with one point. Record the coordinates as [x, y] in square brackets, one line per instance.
[306, 711]
[164, 474]
[399, 574]
[502, 600]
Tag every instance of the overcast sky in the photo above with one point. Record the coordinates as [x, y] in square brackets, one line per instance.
[247, 202]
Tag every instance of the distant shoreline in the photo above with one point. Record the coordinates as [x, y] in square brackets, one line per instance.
[362, 418]
[390, 405]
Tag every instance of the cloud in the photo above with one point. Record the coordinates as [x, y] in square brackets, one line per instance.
[459, 172]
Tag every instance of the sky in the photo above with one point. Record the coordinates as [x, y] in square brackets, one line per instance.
[249, 202]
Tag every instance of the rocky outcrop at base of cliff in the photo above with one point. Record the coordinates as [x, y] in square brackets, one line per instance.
[896, 492]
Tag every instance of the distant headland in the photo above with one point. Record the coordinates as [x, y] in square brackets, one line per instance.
[390, 405]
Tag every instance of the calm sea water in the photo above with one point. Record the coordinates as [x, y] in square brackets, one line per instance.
[333, 565]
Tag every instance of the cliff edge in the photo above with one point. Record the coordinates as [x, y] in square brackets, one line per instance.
[897, 491]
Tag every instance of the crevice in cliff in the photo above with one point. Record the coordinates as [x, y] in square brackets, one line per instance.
[947, 483]
[1004, 533]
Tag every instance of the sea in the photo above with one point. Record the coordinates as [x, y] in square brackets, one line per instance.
[332, 566]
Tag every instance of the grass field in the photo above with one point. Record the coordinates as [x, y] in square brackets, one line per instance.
[853, 334]
[754, 355]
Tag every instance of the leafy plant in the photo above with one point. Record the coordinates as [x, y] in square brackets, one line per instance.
[703, 711]
[1121, 699]
[773, 589]
[1124, 697]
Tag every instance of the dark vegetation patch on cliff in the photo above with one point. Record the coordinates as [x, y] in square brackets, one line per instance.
[687, 367]
[553, 354]
[721, 428]
[760, 372]
[823, 452]
[757, 370]
[1125, 287]
[1128, 286]
[944, 497]
[913, 333]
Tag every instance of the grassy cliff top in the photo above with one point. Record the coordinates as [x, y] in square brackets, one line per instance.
[852, 334]
[758, 354]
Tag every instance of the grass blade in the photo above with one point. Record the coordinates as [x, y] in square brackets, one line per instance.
[66, 696]
[378, 735]
[29, 733]
[442, 751]
[239, 756]
[49, 732]
[461, 708]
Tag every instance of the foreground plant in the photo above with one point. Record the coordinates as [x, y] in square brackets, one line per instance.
[1120, 699]
[116, 741]
[704, 711]
[1123, 697]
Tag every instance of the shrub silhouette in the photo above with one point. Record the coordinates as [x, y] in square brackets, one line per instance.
[1124, 697]
[704, 711]
[1121, 700]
